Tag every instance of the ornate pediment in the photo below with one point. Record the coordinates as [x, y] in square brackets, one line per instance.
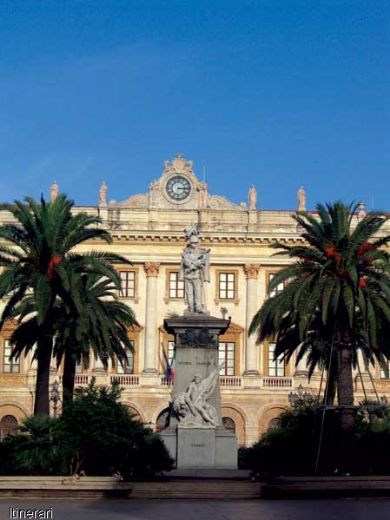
[178, 165]
[178, 187]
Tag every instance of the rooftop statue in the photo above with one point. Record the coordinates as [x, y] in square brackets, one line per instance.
[252, 197]
[54, 190]
[194, 270]
[361, 210]
[301, 194]
[103, 193]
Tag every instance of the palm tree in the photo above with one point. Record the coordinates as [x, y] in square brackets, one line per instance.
[35, 252]
[101, 323]
[95, 319]
[337, 299]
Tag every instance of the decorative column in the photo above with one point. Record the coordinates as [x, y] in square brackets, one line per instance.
[152, 269]
[252, 272]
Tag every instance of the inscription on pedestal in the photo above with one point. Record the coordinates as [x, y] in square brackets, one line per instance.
[196, 448]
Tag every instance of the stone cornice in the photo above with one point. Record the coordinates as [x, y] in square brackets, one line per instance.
[206, 240]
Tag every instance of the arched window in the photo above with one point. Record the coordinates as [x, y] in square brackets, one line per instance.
[8, 426]
[162, 420]
[274, 423]
[229, 424]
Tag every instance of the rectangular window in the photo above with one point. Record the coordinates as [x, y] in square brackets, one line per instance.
[127, 284]
[10, 366]
[227, 286]
[276, 366]
[278, 289]
[226, 354]
[385, 371]
[128, 364]
[176, 286]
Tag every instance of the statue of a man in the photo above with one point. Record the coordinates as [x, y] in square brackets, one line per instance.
[361, 210]
[192, 406]
[194, 270]
[54, 190]
[103, 193]
[301, 199]
[196, 399]
[252, 197]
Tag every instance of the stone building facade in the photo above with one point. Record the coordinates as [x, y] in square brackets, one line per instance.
[148, 229]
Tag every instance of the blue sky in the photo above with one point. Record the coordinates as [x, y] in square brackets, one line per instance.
[277, 93]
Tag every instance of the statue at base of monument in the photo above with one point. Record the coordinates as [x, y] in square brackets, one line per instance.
[194, 271]
[192, 407]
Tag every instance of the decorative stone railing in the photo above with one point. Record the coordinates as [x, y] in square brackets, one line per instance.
[126, 379]
[166, 381]
[230, 381]
[133, 380]
[277, 382]
[80, 379]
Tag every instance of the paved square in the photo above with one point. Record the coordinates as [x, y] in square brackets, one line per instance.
[351, 509]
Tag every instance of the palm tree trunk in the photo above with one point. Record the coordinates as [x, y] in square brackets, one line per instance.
[44, 353]
[68, 379]
[345, 401]
[331, 383]
[345, 380]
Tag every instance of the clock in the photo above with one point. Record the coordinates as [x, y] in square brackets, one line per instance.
[178, 188]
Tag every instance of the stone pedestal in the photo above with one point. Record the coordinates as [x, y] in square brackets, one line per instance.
[194, 440]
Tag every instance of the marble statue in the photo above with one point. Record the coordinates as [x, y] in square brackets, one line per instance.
[192, 407]
[54, 190]
[361, 210]
[194, 271]
[103, 193]
[301, 199]
[252, 197]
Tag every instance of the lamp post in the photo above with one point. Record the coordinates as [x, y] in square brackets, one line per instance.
[301, 398]
[55, 397]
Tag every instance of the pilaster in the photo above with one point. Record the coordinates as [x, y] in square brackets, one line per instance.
[152, 270]
[251, 357]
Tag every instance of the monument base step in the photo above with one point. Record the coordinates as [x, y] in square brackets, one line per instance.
[194, 488]
[204, 474]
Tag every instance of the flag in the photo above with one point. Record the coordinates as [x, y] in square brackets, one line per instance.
[169, 366]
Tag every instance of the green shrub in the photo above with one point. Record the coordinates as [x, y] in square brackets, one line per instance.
[292, 449]
[96, 435]
[104, 437]
[36, 450]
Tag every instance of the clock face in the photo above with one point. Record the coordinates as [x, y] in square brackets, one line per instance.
[178, 188]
